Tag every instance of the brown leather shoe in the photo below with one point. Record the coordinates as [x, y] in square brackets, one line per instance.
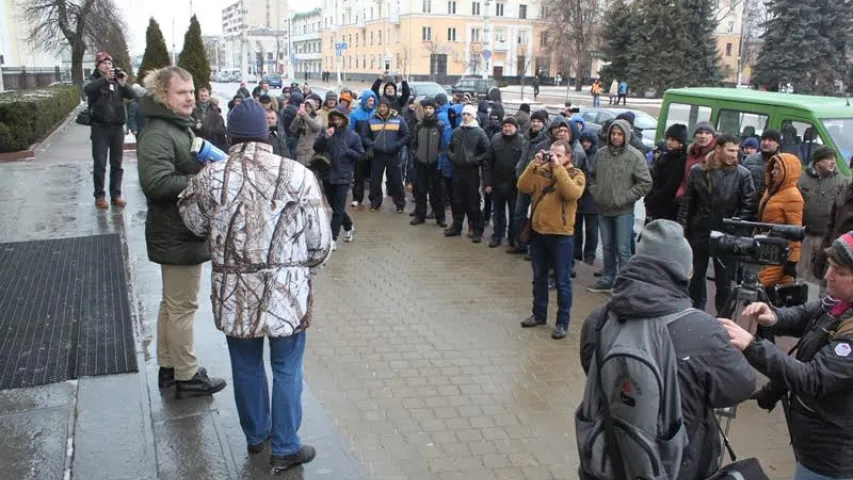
[102, 203]
[119, 202]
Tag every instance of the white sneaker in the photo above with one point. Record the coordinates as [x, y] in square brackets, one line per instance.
[354, 204]
[334, 245]
[348, 234]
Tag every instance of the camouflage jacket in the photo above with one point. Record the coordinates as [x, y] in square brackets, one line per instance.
[269, 230]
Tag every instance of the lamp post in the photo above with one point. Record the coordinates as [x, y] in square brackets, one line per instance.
[487, 37]
[244, 40]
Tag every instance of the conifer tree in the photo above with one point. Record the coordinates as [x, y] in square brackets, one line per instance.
[701, 62]
[115, 44]
[156, 53]
[658, 47]
[193, 57]
[616, 39]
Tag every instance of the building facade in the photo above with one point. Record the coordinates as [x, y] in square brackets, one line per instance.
[307, 40]
[436, 39]
[728, 34]
[214, 47]
[255, 36]
[15, 48]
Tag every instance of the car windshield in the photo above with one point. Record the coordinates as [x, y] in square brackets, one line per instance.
[428, 89]
[841, 131]
[644, 121]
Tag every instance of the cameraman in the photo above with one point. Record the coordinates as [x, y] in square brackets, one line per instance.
[105, 93]
[717, 188]
[815, 385]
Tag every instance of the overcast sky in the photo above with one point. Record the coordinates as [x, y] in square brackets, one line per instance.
[137, 12]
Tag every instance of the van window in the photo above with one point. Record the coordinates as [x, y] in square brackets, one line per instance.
[740, 123]
[688, 115]
[799, 138]
[841, 132]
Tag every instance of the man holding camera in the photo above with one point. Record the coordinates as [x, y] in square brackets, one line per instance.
[105, 94]
[717, 188]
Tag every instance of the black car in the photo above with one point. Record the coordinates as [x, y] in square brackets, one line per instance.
[421, 90]
[479, 88]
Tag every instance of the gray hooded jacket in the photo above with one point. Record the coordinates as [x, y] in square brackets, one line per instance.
[619, 176]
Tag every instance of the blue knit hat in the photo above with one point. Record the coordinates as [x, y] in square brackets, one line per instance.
[248, 120]
[750, 142]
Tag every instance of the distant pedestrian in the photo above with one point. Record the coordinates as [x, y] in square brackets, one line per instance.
[596, 93]
[265, 290]
[623, 93]
[105, 95]
[614, 91]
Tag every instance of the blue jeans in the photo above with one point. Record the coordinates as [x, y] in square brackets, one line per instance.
[251, 390]
[546, 252]
[802, 473]
[596, 101]
[616, 235]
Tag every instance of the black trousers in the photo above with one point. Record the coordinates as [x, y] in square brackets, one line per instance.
[503, 201]
[107, 140]
[362, 173]
[466, 199]
[428, 181]
[388, 165]
[336, 195]
[723, 275]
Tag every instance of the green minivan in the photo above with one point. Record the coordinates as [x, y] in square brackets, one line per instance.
[803, 120]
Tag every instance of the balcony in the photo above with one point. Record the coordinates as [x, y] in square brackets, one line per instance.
[500, 46]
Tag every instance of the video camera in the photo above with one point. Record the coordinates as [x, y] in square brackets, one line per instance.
[119, 73]
[769, 248]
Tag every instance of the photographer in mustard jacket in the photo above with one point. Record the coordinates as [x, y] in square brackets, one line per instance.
[814, 384]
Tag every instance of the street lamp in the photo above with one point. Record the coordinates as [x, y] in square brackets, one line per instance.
[486, 54]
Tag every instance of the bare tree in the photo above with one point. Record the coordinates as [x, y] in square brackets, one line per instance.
[572, 30]
[75, 24]
[474, 60]
[756, 15]
[524, 65]
[436, 49]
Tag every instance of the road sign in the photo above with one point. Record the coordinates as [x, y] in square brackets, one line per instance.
[339, 53]
[487, 54]
[341, 46]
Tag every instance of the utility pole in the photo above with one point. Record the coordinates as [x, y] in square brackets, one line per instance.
[290, 73]
[244, 41]
[339, 55]
[174, 51]
[487, 34]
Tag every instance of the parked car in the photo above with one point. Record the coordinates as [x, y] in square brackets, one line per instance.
[274, 80]
[479, 88]
[421, 90]
[644, 123]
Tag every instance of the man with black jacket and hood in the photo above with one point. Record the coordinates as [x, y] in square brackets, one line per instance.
[389, 91]
[499, 181]
[771, 142]
[535, 136]
[667, 173]
[586, 218]
[718, 188]
[427, 144]
[711, 373]
[468, 147]
[105, 94]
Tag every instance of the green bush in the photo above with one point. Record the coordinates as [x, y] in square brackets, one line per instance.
[27, 115]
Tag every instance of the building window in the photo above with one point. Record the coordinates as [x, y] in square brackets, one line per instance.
[475, 8]
[522, 11]
[522, 37]
[451, 8]
[427, 6]
[475, 34]
[451, 34]
[543, 39]
[544, 12]
[426, 34]
[379, 35]
[499, 9]
[371, 38]
[728, 49]
[732, 26]
[500, 35]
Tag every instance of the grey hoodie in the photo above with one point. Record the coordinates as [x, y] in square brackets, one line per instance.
[619, 176]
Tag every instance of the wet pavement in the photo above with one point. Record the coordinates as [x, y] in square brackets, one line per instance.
[416, 367]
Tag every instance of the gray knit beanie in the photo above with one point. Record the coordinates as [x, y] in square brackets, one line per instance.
[663, 240]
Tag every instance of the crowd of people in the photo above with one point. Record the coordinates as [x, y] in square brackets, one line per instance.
[550, 189]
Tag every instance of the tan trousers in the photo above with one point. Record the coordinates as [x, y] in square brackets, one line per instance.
[176, 319]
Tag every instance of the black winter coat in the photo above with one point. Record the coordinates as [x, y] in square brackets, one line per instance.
[106, 104]
[756, 164]
[345, 150]
[714, 194]
[468, 147]
[817, 381]
[711, 372]
[667, 174]
[501, 160]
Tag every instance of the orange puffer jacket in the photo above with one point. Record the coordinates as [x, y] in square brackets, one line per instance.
[783, 204]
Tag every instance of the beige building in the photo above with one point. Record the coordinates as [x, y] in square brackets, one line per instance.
[255, 36]
[15, 49]
[441, 39]
[728, 34]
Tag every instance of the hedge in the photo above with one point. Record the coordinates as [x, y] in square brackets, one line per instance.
[27, 115]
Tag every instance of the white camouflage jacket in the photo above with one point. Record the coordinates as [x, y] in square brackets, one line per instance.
[269, 231]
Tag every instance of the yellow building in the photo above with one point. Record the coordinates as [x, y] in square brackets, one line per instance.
[728, 35]
[441, 39]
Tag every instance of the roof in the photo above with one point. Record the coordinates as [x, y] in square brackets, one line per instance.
[300, 15]
[822, 107]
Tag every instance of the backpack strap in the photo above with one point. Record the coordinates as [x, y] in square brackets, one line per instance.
[616, 459]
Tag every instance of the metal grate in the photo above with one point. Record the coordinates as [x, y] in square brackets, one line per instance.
[64, 311]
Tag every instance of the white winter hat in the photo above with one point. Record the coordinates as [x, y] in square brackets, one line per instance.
[470, 109]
